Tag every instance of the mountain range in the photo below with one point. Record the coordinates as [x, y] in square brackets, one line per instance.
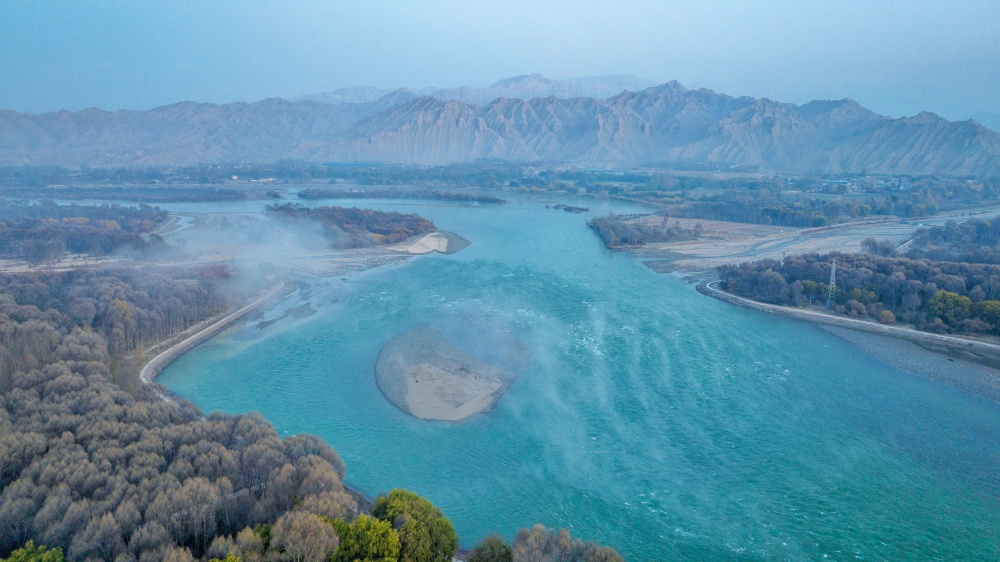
[524, 87]
[526, 119]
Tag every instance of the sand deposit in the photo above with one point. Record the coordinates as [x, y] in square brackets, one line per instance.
[427, 377]
[439, 241]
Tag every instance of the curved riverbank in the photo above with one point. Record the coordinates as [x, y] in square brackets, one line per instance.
[202, 332]
[973, 351]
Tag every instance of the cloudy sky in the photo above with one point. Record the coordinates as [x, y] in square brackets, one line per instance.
[896, 57]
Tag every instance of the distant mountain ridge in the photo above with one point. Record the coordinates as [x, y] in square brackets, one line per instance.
[991, 120]
[660, 124]
[526, 87]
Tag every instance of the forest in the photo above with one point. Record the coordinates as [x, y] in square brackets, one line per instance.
[133, 193]
[480, 174]
[944, 297]
[355, 228]
[802, 211]
[728, 194]
[972, 241]
[320, 194]
[40, 233]
[619, 230]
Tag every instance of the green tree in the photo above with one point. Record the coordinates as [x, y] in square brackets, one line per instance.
[989, 312]
[492, 549]
[366, 540]
[950, 307]
[425, 534]
[31, 553]
[263, 531]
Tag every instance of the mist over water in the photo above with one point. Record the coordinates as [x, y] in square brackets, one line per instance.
[645, 415]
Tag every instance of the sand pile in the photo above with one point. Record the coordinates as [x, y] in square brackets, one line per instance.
[427, 377]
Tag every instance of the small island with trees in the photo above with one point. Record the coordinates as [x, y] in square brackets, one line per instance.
[355, 228]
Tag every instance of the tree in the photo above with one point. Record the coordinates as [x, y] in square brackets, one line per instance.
[330, 504]
[492, 549]
[366, 540]
[878, 247]
[303, 537]
[539, 544]
[31, 553]
[950, 307]
[988, 311]
[425, 534]
[39, 251]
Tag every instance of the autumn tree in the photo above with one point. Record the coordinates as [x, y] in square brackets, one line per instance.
[539, 544]
[303, 537]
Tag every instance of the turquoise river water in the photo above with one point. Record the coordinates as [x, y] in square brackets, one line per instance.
[645, 415]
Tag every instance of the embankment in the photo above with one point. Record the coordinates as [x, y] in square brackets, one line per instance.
[203, 332]
[981, 352]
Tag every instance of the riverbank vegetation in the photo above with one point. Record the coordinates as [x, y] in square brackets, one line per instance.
[635, 230]
[972, 241]
[355, 228]
[41, 233]
[132, 194]
[454, 196]
[711, 192]
[943, 297]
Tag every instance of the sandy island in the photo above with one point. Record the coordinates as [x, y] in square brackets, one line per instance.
[427, 377]
[440, 241]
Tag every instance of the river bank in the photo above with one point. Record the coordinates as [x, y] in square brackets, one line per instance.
[200, 333]
[972, 365]
[327, 264]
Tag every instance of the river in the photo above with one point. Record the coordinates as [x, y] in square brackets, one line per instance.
[645, 416]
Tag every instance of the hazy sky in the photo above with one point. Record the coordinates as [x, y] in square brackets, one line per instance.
[896, 57]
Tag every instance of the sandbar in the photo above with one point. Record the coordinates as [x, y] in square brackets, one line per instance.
[424, 375]
[440, 241]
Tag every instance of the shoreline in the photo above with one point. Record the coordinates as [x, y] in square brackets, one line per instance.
[435, 241]
[979, 356]
[213, 326]
[182, 342]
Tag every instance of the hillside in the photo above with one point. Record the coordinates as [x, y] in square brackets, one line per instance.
[658, 125]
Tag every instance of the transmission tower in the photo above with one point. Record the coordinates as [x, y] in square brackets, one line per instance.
[833, 284]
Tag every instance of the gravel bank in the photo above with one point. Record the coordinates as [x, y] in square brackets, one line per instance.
[936, 366]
